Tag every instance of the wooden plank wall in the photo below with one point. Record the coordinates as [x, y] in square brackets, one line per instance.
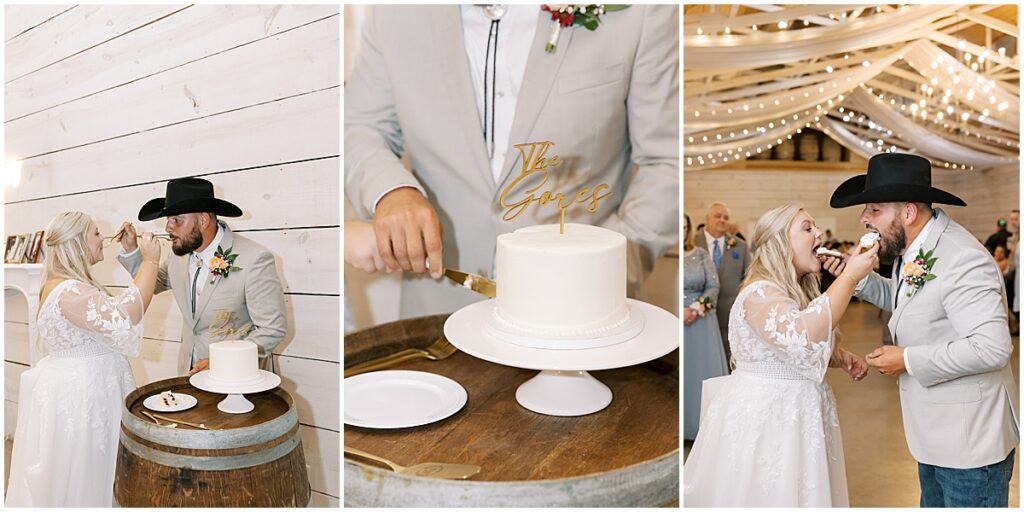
[104, 104]
[749, 193]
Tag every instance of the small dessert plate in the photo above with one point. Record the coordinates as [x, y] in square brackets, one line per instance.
[400, 399]
[185, 402]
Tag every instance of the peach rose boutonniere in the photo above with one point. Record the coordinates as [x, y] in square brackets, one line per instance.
[222, 264]
[918, 271]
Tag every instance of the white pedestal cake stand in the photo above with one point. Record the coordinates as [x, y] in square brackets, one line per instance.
[563, 387]
[235, 402]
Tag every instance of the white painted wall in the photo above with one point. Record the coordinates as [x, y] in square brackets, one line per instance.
[104, 104]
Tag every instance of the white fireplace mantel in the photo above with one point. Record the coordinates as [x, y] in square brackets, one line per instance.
[26, 279]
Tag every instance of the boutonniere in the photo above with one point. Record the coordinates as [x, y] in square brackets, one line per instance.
[585, 15]
[730, 242]
[918, 271]
[702, 305]
[222, 263]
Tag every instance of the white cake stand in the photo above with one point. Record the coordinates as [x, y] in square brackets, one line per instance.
[235, 402]
[563, 387]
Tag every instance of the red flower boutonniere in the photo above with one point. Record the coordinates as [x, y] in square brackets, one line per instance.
[585, 15]
[222, 264]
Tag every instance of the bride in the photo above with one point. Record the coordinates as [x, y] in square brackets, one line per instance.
[69, 406]
[770, 436]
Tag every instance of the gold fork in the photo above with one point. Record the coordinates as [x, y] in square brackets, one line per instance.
[440, 349]
[107, 241]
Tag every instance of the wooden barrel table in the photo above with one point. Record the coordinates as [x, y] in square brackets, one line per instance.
[246, 460]
[625, 455]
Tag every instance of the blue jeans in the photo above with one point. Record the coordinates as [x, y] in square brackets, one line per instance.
[987, 486]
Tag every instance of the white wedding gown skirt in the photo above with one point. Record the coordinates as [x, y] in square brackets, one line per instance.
[69, 416]
[70, 402]
[769, 435]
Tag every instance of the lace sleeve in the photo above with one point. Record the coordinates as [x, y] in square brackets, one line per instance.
[801, 338]
[117, 319]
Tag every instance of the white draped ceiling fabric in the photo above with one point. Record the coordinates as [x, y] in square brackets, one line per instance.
[872, 77]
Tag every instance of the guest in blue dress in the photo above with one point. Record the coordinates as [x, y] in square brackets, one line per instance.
[703, 355]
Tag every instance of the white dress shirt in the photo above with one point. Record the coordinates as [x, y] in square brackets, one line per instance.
[203, 259]
[515, 37]
[910, 253]
[711, 243]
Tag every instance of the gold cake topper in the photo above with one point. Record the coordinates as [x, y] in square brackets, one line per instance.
[537, 166]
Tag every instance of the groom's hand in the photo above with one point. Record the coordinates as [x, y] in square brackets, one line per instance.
[833, 265]
[408, 232]
[887, 359]
[202, 364]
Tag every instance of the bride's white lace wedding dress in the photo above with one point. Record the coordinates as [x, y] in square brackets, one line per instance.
[770, 434]
[69, 406]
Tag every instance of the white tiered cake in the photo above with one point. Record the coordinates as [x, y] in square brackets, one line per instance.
[558, 286]
[235, 361]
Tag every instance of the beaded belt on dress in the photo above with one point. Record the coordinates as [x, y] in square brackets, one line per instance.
[92, 349]
[769, 370]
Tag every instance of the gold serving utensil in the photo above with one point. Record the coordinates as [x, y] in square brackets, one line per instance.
[440, 349]
[426, 469]
[150, 416]
[478, 284]
[108, 241]
[183, 422]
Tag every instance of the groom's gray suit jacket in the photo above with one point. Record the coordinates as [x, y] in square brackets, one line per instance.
[246, 304]
[960, 404]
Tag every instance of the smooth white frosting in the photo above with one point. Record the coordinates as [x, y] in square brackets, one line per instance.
[234, 361]
[869, 239]
[561, 285]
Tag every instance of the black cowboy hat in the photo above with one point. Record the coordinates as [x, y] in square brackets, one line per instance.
[893, 177]
[187, 195]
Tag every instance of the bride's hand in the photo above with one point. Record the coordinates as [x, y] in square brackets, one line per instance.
[861, 264]
[854, 365]
[149, 245]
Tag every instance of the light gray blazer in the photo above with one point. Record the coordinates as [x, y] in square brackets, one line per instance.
[608, 99]
[960, 405]
[249, 301]
[731, 272]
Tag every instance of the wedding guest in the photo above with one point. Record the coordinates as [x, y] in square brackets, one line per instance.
[70, 402]
[1013, 276]
[703, 352]
[1000, 237]
[607, 98]
[770, 436]
[731, 259]
[1000, 256]
[734, 230]
[952, 346]
[212, 265]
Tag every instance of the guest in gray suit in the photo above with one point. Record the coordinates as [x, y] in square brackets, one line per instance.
[952, 345]
[455, 88]
[731, 259]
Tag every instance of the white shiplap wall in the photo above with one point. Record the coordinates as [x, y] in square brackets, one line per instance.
[104, 104]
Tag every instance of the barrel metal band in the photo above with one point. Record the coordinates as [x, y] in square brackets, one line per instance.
[211, 439]
[211, 463]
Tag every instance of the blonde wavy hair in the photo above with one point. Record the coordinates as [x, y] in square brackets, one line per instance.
[67, 254]
[773, 259]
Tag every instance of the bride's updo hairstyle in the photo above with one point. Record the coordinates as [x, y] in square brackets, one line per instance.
[66, 253]
[773, 257]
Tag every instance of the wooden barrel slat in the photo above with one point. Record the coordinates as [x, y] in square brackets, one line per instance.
[253, 459]
[631, 446]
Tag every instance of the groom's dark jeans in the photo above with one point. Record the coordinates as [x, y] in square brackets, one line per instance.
[987, 486]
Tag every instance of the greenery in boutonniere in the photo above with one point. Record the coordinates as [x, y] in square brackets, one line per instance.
[222, 263]
[918, 271]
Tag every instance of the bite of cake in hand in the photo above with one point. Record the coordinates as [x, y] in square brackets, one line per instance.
[869, 239]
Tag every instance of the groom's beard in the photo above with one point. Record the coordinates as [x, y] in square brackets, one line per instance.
[893, 242]
[189, 243]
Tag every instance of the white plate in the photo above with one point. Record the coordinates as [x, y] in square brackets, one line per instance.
[400, 399]
[185, 402]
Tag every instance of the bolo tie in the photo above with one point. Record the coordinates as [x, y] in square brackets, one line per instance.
[493, 12]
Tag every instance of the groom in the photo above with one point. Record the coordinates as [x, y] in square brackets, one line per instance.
[225, 285]
[949, 326]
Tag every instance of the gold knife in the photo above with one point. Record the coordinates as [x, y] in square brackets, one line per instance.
[478, 284]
